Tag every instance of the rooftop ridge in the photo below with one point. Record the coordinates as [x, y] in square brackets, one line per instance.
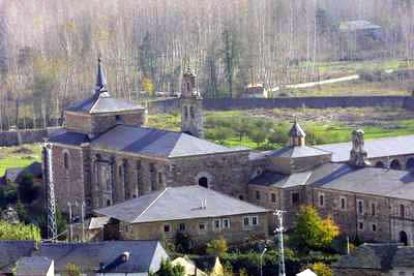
[152, 203]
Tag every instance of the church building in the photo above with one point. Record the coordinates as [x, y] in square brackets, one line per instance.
[105, 155]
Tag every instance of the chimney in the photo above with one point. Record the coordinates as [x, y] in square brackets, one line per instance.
[125, 256]
[358, 154]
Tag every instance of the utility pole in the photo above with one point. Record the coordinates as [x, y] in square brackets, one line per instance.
[51, 201]
[279, 231]
[83, 220]
[70, 221]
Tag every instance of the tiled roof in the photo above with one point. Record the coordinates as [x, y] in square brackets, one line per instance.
[383, 147]
[11, 251]
[35, 265]
[157, 142]
[179, 203]
[105, 256]
[103, 103]
[298, 152]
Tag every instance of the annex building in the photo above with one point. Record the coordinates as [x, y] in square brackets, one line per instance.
[106, 157]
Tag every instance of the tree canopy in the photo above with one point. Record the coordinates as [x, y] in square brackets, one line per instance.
[312, 231]
[19, 231]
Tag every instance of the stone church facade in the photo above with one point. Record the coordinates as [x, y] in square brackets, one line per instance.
[105, 155]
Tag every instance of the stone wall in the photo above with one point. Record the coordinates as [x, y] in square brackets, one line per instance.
[27, 136]
[173, 105]
[236, 233]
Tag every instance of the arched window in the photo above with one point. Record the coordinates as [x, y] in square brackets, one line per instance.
[379, 164]
[188, 87]
[203, 182]
[108, 203]
[402, 210]
[395, 164]
[66, 160]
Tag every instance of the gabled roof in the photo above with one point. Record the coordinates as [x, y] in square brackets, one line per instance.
[179, 203]
[156, 142]
[144, 256]
[11, 251]
[35, 265]
[383, 147]
[296, 130]
[103, 103]
[298, 152]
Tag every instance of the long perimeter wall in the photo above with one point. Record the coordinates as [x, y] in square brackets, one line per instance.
[172, 105]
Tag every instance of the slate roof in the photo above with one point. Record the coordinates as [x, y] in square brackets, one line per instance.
[144, 256]
[296, 130]
[343, 177]
[272, 179]
[179, 203]
[102, 103]
[156, 142]
[69, 138]
[368, 180]
[383, 147]
[11, 251]
[32, 266]
[298, 152]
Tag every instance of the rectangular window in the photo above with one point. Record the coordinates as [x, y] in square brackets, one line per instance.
[360, 225]
[273, 197]
[255, 221]
[182, 226]
[246, 221]
[295, 198]
[167, 228]
[257, 195]
[225, 223]
[360, 207]
[343, 203]
[202, 226]
[374, 228]
[373, 209]
[216, 224]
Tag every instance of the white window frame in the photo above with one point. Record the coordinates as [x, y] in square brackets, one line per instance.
[250, 220]
[216, 229]
[223, 224]
[205, 227]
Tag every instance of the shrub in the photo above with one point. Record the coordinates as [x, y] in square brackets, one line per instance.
[217, 247]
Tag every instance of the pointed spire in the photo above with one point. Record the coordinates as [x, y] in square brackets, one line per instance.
[297, 135]
[100, 78]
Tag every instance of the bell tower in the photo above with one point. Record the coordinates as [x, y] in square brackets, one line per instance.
[191, 104]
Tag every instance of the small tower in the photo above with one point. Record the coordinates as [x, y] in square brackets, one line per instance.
[297, 135]
[191, 104]
[358, 153]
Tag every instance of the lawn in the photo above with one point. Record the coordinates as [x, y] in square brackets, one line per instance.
[267, 129]
[19, 157]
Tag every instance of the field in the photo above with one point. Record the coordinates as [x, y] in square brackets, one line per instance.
[267, 129]
[18, 157]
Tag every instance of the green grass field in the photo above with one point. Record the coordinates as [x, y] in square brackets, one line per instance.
[241, 128]
[19, 157]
